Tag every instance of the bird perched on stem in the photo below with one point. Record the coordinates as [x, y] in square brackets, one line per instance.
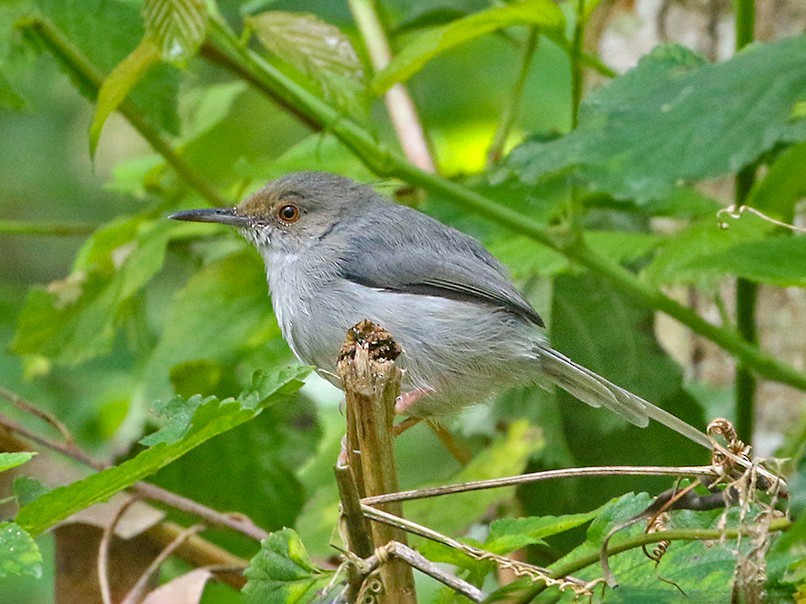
[337, 252]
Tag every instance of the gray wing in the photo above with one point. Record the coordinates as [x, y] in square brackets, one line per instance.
[402, 250]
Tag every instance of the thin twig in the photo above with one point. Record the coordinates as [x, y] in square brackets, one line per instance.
[509, 481]
[103, 552]
[399, 103]
[416, 560]
[510, 111]
[135, 594]
[32, 409]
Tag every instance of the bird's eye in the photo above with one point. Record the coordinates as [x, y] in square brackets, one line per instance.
[288, 213]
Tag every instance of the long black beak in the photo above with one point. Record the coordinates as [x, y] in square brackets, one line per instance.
[219, 215]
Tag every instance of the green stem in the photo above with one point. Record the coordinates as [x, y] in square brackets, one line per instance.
[745, 22]
[575, 57]
[90, 77]
[569, 568]
[510, 112]
[56, 229]
[384, 162]
[746, 291]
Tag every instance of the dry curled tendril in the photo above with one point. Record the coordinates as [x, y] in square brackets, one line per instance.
[738, 479]
[735, 212]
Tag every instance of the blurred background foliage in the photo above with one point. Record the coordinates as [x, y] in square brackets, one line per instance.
[106, 307]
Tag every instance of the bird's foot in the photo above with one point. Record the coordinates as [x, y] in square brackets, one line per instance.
[407, 400]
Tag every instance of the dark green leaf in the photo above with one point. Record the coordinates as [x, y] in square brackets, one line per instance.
[535, 13]
[12, 460]
[674, 119]
[19, 555]
[606, 331]
[224, 309]
[509, 534]
[27, 488]
[282, 572]
[177, 27]
[320, 51]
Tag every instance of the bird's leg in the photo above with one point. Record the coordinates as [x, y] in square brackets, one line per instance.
[407, 423]
[406, 400]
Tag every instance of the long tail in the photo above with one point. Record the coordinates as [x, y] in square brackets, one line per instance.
[596, 391]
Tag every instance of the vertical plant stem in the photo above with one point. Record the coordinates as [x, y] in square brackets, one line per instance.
[577, 78]
[371, 382]
[746, 291]
[510, 111]
[399, 103]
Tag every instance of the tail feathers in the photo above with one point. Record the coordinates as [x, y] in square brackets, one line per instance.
[596, 391]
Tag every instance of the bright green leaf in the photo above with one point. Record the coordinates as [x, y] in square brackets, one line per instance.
[779, 260]
[411, 59]
[88, 23]
[506, 456]
[282, 573]
[19, 554]
[8, 96]
[74, 319]
[210, 418]
[674, 119]
[680, 251]
[207, 107]
[783, 185]
[177, 27]
[320, 51]
[117, 85]
[12, 460]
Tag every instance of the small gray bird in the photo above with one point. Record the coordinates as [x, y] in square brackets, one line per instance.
[337, 252]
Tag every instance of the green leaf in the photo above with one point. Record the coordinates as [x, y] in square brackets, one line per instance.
[509, 534]
[12, 460]
[703, 238]
[19, 555]
[178, 27]
[318, 50]
[603, 329]
[783, 185]
[778, 260]
[506, 456]
[88, 23]
[673, 119]
[8, 96]
[118, 83]
[74, 319]
[223, 310]
[207, 107]
[28, 488]
[535, 13]
[703, 571]
[282, 573]
[210, 418]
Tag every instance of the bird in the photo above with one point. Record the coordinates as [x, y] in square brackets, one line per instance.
[338, 252]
